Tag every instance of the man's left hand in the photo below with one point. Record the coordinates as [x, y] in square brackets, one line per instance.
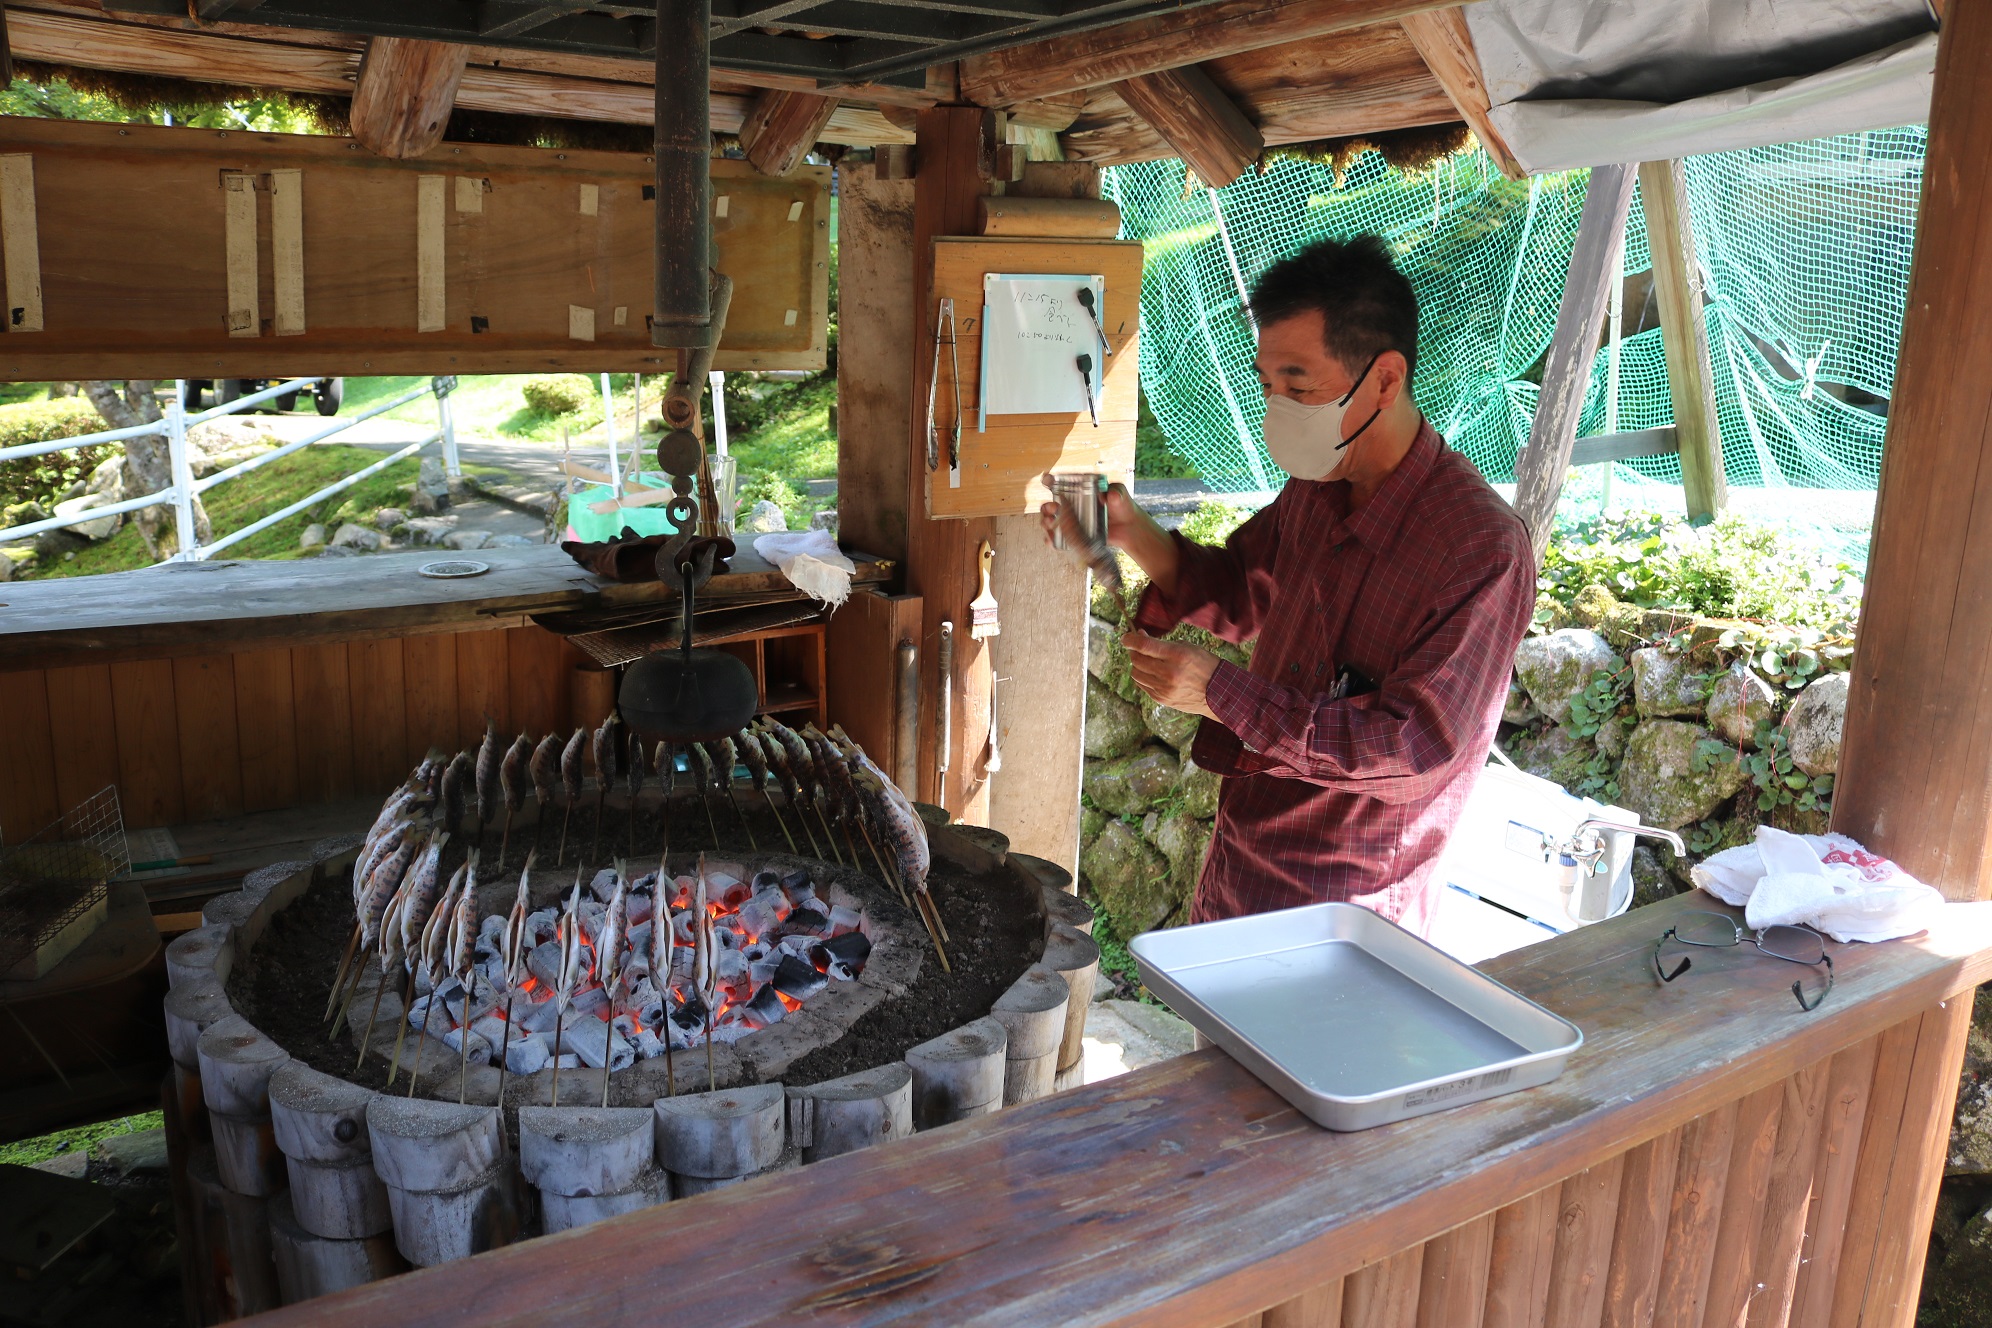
[1174, 674]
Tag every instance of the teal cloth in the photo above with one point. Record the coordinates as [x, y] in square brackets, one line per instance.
[600, 527]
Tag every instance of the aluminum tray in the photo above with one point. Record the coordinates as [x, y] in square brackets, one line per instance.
[1351, 1018]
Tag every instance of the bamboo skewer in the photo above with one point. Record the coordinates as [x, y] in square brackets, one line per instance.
[558, 1016]
[780, 820]
[361, 1059]
[803, 817]
[415, 1071]
[401, 1034]
[566, 818]
[504, 1050]
[339, 981]
[346, 1005]
[463, 1042]
[884, 873]
[742, 817]
[828, 837]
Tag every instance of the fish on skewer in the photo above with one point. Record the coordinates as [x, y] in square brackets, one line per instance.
[778, 762]
[381, 841]
[609, 960]
[490, 756]
[384, 880]
[458, 780]
[434, 957]
[725, 758]
[663, 950]
[390, 953]
[806, 774]
[702, 780]
[852, 757]
[634, 774]
[417, 910]
[545, 771]
[569, 977]
[837, 787]
[461, 963]
[705, 964]
[606, 768]
[757, 771]
[570, 785]
[513, 952]
[512, 778]
[906, 840]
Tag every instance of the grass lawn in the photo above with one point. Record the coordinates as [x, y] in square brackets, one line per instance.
[249, 498]
[490, 406]
[27, 1152]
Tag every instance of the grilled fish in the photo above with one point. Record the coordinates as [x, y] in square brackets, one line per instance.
[545, 768]
[512, 773]
[490, 756]
[570, 766]
[426, 876]
[458, 780]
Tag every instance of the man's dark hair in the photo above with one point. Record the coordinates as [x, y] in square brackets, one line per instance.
[1365, 302]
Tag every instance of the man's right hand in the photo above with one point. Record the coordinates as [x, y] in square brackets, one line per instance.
[1128, 528]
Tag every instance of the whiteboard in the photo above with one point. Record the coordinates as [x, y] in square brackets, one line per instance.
[1033, 331]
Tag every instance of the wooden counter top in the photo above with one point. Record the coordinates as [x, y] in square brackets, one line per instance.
[1188, 1193]
[200, 608]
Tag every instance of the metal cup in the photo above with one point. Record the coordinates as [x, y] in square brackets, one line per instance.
[1083, 494]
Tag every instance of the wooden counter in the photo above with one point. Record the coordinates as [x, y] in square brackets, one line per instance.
[178, 609]
[1712, 1153]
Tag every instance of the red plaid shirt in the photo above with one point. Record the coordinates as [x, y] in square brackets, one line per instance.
[1426, 592]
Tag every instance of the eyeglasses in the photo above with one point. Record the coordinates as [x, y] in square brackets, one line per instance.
[1794, 945]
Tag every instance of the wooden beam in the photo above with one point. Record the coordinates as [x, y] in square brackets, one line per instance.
[782, 127]
[1442, 38]
[1363, 81]
[1060, 65]
[1624, 446]
[404, 94]
[1198, 121]
[1539, 470]
[682, 308]
[6, 52]
[1677, 285]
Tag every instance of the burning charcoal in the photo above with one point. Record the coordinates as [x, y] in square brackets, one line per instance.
[842, 972]
[797, 980]
[732, 967]
[542, 926]
[603, 885]
[647, 1043]
[734, 895]
[585, 1039]
[764, 912]
[528, 1054]
[544, 963]
[640, 910]
[853, 947]
[762, 971]
[844, 920]
[766, 880]
[756, 952]
[639, 946]
[590, 1001]
[681, 892]
[797, 883]
[766, 1008]
[540, 1018]
[728, 1034]
[567, 1060]
[489, 1027]
[806, 922]
[681, 927]
[593, 915]
[819, 958]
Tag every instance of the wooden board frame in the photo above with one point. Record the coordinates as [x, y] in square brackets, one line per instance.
[134, 263]
[1000, 467]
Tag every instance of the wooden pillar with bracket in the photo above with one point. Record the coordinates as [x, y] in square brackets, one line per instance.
[955, 157]
[1677, 287]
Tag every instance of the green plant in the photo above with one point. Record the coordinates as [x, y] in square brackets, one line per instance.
[1600, 779]
[1789, 657]
[795, 504]
[1154, 458]
[1778, 780]
[1213, 522]
[1601, 699]
[1703, 837]
[556, 394]
[43, 478]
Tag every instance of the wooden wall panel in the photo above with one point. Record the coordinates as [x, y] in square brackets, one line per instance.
[1384, 1295]
[266, 729]
[380, 713]
[1518, 1276]
[1585, 1225]
[1639, 1240]
[27, 756]
[323, 708]
[484, 689]
[1319, 1308]
[1839, 1150]
[148, 743]
[1452, 1289]
[79, 706]
[536, 675]
[1694, 1216]
[1733, 1277]
[210, 745]
[1788, 1196]
[429, 692]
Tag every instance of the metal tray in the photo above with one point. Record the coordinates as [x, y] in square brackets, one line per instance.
[1349, 1017]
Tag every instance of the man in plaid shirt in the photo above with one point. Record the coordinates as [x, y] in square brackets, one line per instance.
[1387, 587]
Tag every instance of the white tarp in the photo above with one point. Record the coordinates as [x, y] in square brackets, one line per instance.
[1585, 82]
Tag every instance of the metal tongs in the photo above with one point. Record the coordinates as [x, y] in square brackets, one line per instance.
[944, 335]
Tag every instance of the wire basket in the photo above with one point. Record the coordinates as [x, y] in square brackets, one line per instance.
[58, 874]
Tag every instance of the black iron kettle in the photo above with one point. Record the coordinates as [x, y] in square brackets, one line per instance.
[687, 695]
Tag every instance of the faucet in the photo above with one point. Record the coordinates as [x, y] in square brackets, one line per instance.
[1585, 847]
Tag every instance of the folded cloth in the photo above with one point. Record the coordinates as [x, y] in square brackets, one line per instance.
[630, 556]
[812, 561]
[1827, 882]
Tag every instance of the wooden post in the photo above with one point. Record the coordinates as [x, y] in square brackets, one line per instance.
[1914, 779]
[955, 148]
[448, 1176]
[1032, 1013]
[1074, 956]
[1197, 120]
[781, 128]
[1677, 285]
[683, 314]
[1446, 45]
[873, 1106]
[1540, 468]
[703, 1138]
[958, 1074]
[404, 94]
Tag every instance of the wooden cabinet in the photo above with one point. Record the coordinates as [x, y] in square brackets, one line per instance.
[790, 665]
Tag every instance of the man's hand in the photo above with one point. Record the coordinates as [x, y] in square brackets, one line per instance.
[1128, 528]
[1173, 673]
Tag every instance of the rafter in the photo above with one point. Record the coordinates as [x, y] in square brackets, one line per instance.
[782, 127]
[1446, 46]
[1197, 120]
[404, 94]
[497, 20]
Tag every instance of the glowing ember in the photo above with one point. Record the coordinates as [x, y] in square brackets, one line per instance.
[777, 943]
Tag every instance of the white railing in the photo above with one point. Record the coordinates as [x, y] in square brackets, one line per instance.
[181, 493]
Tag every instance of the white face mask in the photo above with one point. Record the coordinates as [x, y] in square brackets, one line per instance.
[1306, 441]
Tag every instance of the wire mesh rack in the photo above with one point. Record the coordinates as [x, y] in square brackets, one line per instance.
[58, 874]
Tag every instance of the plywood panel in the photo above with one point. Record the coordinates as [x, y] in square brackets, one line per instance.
[380, 714]
[210, 749]
[1000, 467]
[143, 286]
[537, 676]
[483, 686]
[266, 729]
[86, 729]
[1384, 1295]
[324, 712]
[27, 756]
[148, 743]
[1452, 1290]
[429, 689]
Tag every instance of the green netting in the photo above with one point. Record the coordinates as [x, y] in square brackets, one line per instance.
[1805, 249]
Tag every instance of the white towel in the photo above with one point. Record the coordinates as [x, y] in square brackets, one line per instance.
[811, 560]
[1827, 882]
